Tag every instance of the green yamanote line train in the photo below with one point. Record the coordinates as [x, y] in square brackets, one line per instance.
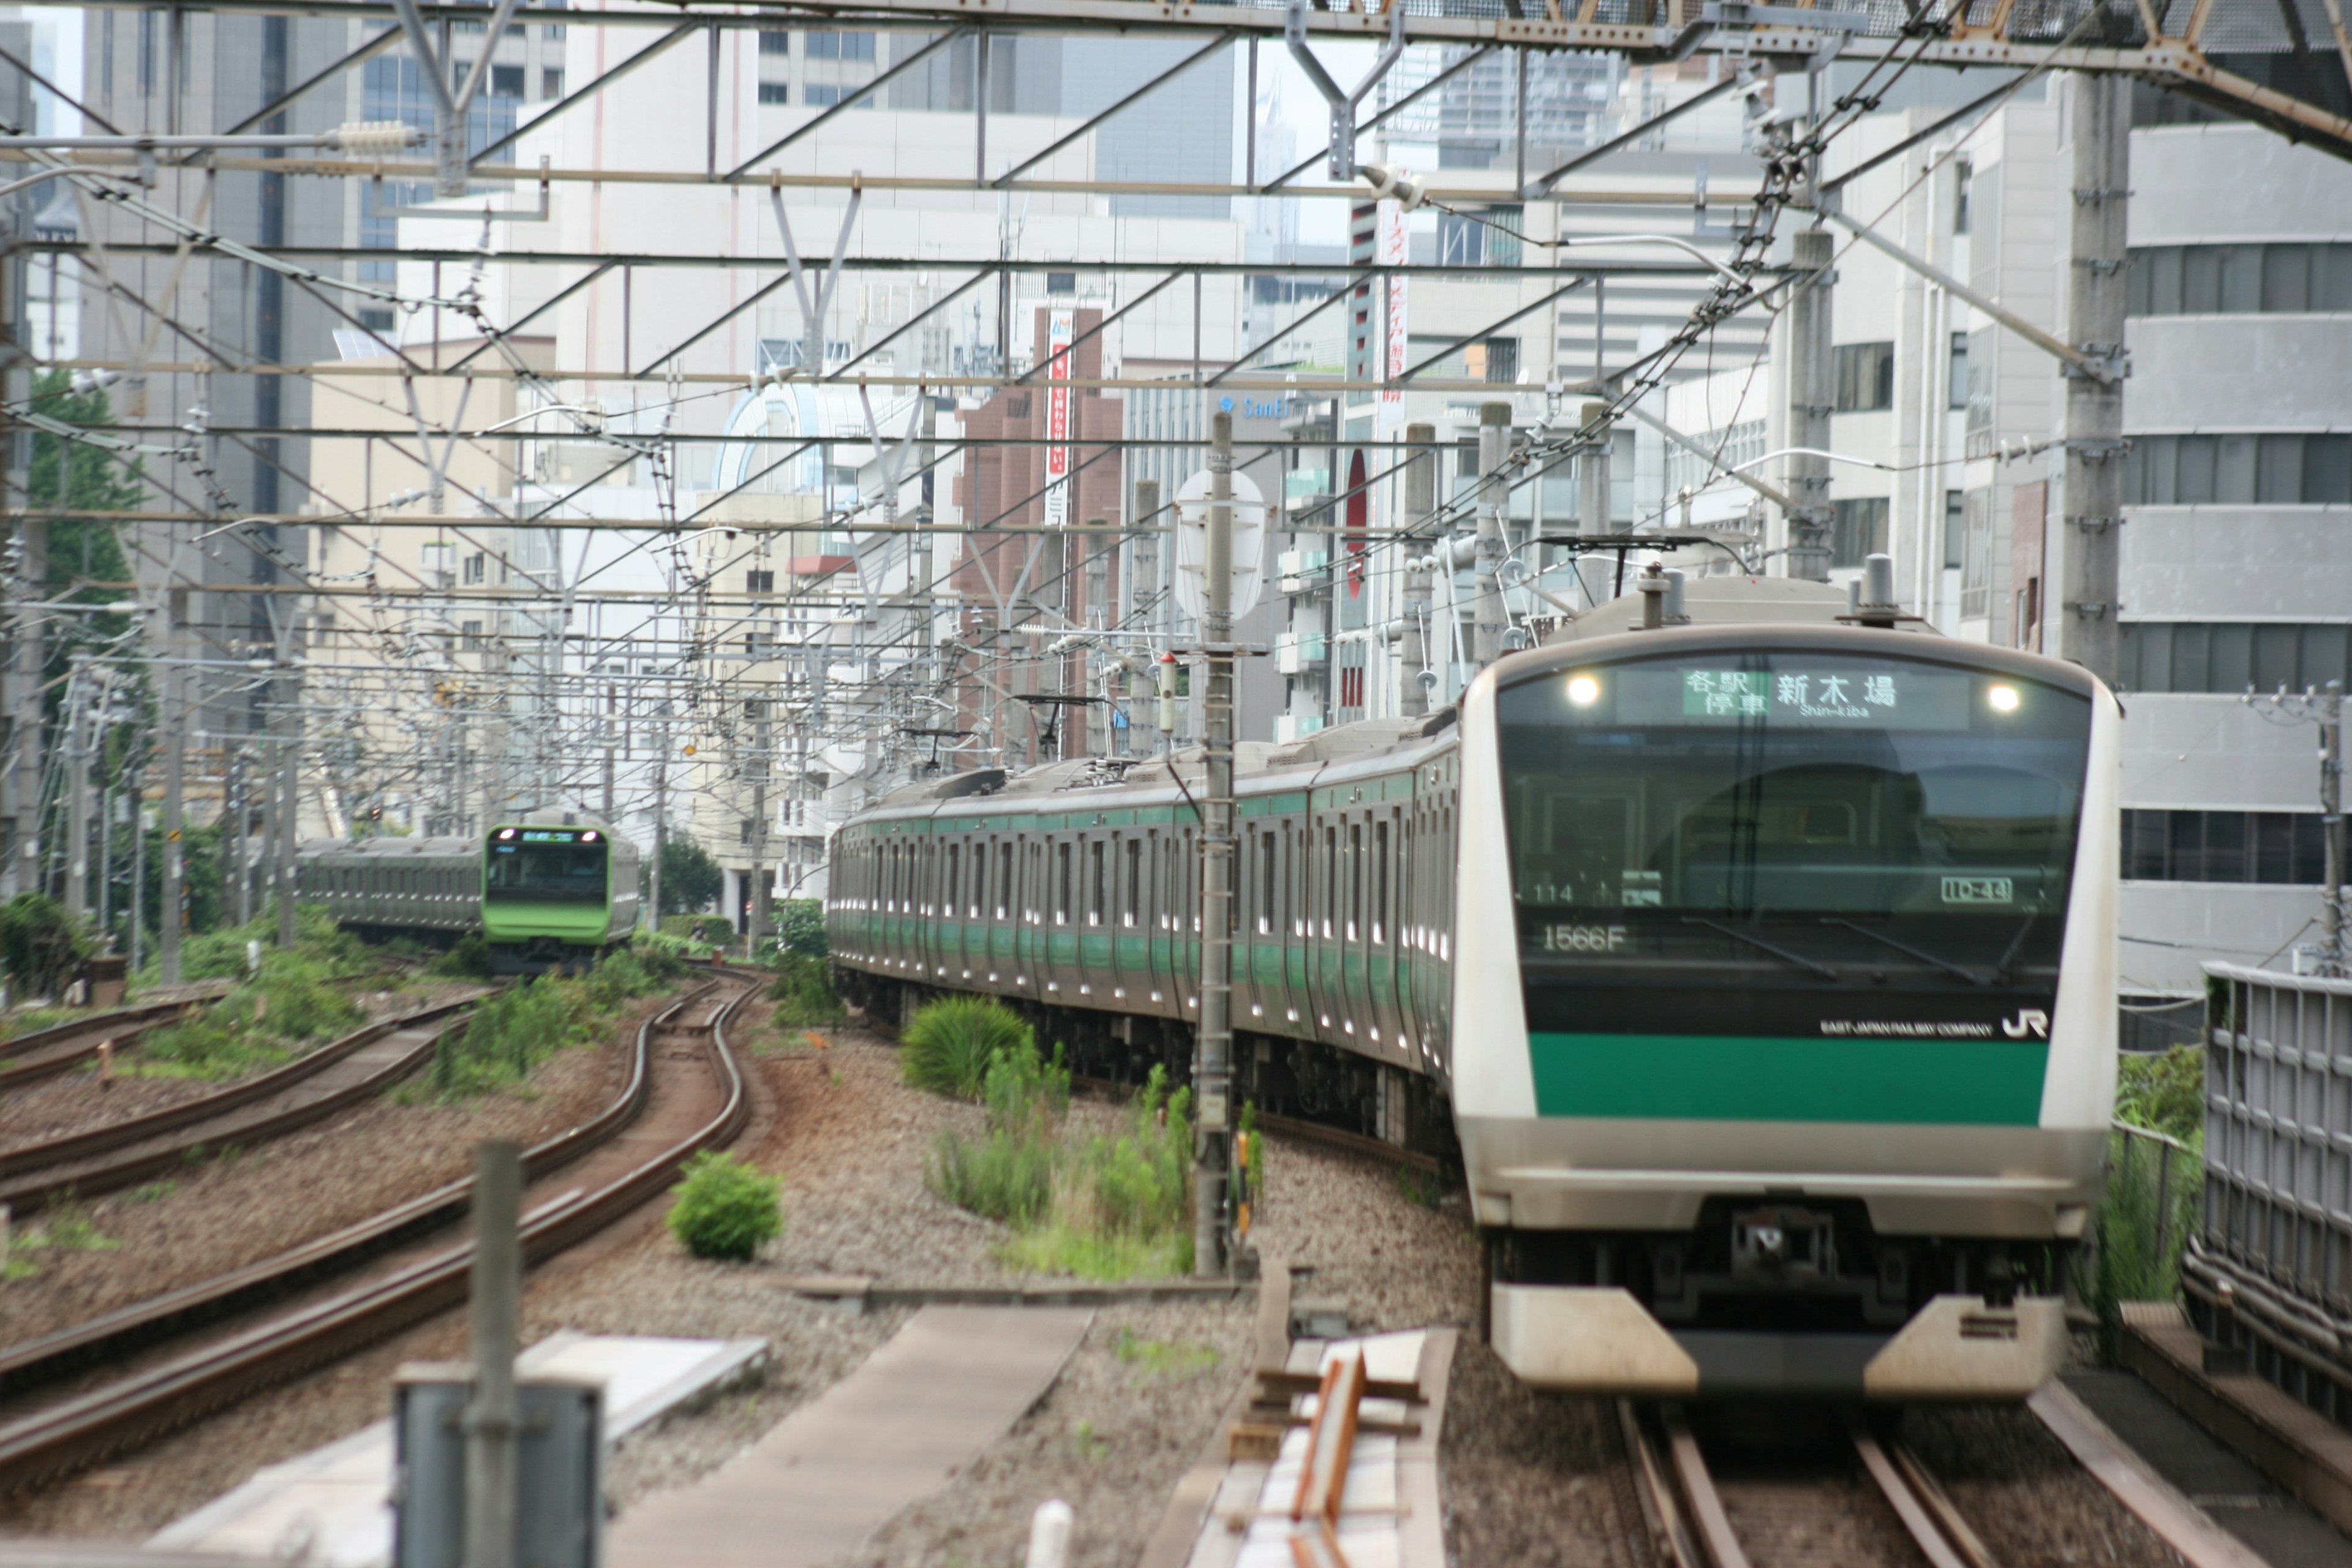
[554, 890]
[1761, 970]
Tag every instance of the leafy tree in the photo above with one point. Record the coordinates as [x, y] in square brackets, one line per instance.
[690, 879]
[201, 876]
[80, 476]
[41, 946]
[800, 927]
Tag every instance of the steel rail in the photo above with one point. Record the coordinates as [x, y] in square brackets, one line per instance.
[1691, 1528]
[21, 1060]
[28, 1196]
[133, 1410]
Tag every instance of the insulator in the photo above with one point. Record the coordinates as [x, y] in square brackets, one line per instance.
[374, 136]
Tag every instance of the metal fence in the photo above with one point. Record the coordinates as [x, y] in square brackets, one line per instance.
[2269, 1271]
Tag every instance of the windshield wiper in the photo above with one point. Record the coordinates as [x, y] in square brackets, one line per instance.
[1800, 960]
[1945, 964]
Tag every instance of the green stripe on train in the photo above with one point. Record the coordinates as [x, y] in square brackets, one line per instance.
[1746, 1078]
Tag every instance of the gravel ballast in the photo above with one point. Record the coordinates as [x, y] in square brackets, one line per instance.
[1529, 1478]
[242, 1205]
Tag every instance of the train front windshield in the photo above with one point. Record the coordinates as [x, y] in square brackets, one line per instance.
[1790, 820]
[546, 865]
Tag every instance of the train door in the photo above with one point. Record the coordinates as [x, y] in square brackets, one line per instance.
[1380, 944]
[1130, 967]
[1099, 913]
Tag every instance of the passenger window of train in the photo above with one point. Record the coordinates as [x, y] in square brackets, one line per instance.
[1379, 882]
[1097, 897]
[1133, 914]
[1355, 879]
[955, 879]
[1032, 886]
[1004, 880]
[1061, 901]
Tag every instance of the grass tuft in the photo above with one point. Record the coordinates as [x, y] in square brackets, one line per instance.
[949, 1046]
[1102, 1205]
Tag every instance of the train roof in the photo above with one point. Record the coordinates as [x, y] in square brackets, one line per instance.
[389, 847]
[1722, 601]
[1185, 773]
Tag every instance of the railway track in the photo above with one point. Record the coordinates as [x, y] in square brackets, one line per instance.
[45, 1053]
[580, 1182]
[310, 1089]
[1820, 1493]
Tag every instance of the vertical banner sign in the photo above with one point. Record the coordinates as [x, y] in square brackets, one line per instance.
[1393, 251]
[1060, 327]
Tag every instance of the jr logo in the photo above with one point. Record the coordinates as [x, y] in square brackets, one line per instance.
[2030, 1021]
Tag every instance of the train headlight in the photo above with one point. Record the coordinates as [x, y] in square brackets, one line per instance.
[1583, 690]
[505, 833]
[589, 836]
[2003, 699]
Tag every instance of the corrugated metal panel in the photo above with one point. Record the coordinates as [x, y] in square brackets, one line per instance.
[2278, 1130]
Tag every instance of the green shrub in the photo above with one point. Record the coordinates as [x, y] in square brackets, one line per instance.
[511, 1033]
[800, 927]
[725, 1209]
[219, 954]
[293, 1003]
[803, 993]
[41, 946]
[948, 1047]
[468, 958]
[2165, 1094]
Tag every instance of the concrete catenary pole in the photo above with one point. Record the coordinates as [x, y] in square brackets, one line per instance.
[2331, 823]
[79, 725]
[1595, 481]
[1813, 397]
[493, 1425]
[174, 690]
[1420, 501]
[762, 875]
[2086, 481]
[286, 818]
[1494, 495]
[1211, 1072]
[1143, 585]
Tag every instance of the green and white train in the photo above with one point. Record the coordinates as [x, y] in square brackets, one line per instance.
[1761, 971]
[555, 891]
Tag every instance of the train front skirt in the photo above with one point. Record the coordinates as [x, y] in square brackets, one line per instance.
[1599, 1339]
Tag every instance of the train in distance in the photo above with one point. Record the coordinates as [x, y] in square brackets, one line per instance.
[1758, 963]
[554, 890]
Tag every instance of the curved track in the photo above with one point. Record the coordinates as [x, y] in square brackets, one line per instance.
[311, 1088]
[45, 1053]
[581, 1180]
[1852, 1497]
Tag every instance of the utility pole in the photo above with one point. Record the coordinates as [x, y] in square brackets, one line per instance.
[237, 816]
[760, 923]
[2331, 820]
[174, 689]
[1813, 397]
[138, 896]
[1494, 495]
[2086, 480]
[1594, 482]
[2325, 708]
[1212, 1073]
[77, 739]
[1420, 501]
[612, 712]
[661, 813]
[286, 818]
